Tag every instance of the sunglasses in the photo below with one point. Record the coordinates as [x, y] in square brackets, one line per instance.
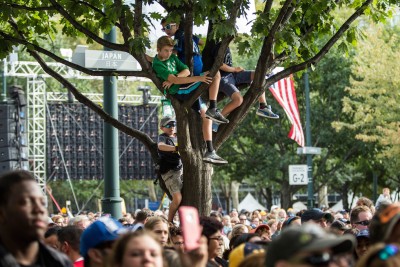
[364, 223]
[168, 27]
[322, 259]
[170, 125]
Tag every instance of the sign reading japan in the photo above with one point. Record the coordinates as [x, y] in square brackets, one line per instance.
[111, 60]
[298, 174]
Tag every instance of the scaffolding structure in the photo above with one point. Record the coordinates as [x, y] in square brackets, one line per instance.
[37, 97]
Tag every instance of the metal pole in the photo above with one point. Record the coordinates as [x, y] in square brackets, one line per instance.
[4, 79]
[112, 200]
[310, 186]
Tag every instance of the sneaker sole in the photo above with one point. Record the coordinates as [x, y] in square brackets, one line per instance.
[266, 116]
[216, 120]
[215, 162]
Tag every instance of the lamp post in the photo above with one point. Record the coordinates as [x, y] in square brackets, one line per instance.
[310, 186]
[111, 200]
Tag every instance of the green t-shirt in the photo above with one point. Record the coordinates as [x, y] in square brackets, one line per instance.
[163, 69]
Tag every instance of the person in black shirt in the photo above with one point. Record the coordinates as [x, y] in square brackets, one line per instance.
[170, 163]
[23, 223]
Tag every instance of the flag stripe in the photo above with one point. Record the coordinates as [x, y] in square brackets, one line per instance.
[285, 94]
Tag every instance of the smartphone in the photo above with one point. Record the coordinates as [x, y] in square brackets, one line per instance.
[190, 226]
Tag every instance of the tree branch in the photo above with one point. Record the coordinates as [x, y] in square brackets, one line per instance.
[41, 8]
[86, 31]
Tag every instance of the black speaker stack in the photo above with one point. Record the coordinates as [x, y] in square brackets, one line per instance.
[75, 142]
[13, 139]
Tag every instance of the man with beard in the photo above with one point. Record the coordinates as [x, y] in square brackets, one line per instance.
[23, 222]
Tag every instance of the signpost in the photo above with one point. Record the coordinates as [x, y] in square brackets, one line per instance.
[298, 174]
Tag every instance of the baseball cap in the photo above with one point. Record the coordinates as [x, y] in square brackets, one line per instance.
[242, 251]
[315, 214]
[262, 213]
[340, 225]
[103, 230]
[363, 233]
[165, 120]
[306, 238]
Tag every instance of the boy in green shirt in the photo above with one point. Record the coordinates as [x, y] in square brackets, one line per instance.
[175, 77]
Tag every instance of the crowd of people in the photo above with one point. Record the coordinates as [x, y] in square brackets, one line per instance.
[367, 235]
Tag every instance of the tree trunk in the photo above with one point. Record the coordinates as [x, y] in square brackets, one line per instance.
[226, 190]
[286, 196]
[152, 191]
[323, 196]
[345, 195]
[235, 194]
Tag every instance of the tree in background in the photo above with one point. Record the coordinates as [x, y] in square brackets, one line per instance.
[293, 34]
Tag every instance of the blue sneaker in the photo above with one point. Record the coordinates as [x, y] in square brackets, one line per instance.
[267, 113]
[215, 127]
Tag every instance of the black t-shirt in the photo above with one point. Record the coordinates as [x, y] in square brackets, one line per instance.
[169, 160]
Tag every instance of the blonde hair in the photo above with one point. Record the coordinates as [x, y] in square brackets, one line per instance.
[164, 41]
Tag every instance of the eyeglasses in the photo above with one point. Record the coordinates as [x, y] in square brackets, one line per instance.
[170, 125]
[168, 26]
[322, 259]
[364, 223]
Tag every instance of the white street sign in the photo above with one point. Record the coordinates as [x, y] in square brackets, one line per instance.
[298, 174]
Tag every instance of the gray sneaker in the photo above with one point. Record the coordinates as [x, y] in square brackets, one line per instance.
[213, 158]
[215, 115]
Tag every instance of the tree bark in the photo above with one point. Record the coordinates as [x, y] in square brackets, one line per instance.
[235, 194]
[152, 191]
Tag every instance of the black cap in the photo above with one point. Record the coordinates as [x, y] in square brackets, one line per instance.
[315, 214]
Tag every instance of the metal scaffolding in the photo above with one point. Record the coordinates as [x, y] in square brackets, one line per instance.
[37, 97]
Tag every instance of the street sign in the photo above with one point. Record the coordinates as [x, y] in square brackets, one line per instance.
[298, 174]
[114, 60]
[309, 150]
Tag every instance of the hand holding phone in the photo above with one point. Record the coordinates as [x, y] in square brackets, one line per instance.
[190, 226]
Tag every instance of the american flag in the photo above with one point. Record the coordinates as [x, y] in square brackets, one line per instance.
[284, 93]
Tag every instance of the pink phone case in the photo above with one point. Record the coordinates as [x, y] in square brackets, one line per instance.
[190, 226]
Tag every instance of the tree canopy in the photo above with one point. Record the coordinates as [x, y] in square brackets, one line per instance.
[292, 34]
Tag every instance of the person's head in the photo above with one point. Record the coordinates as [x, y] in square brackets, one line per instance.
[58, 220]
[212, 231]
[386, 191]
[293, 220]
[282, 215]
[360, 217]
[316, 216]
[80, 221]
[141, 217]
[338, 227]
[307, 245]
[69, 238]
[239, 229]
[168, 125]
[234, 221]
[255, 221]
[216, 215]
[159, 227]
[242, 252]
[242, 218]
[364, 201]
[363, 242]
[273, 225]
[23, 215]
[169, 27]
[385, 225]
[51, 237]
[138, 248]
[381, 255]
[96, 240]
[176, 237]
[165, 47]
[233, 213]
[226, 220]
[264, 232]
